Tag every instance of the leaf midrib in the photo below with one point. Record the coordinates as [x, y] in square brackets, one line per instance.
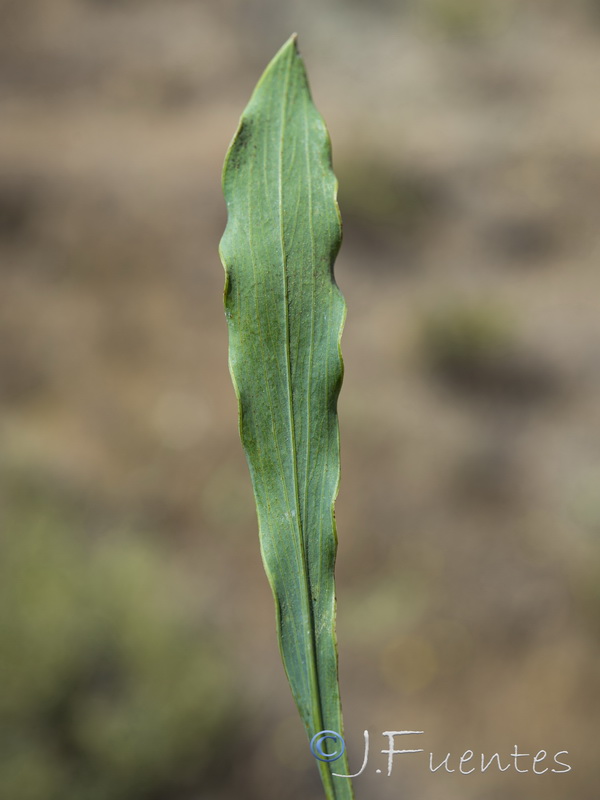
[300, 520]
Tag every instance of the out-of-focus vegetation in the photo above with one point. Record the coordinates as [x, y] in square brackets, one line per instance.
[111, 688]
[474, 349]
[467, 19]
[388, 207]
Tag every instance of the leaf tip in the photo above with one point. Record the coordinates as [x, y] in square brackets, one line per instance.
[292, 42]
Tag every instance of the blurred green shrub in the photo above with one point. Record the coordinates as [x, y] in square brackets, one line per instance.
[474, 349]
[383, 193]
[110, 689]
[383, 201]
[465, 337]
[467, 19]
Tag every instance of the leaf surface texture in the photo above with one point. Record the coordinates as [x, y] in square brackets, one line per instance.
[285, 315]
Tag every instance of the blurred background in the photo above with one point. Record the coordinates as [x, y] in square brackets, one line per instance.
[138, 658]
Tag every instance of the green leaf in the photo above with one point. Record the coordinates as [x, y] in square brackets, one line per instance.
[285, 317]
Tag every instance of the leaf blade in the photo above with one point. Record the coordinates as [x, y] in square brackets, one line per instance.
[285, 318]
